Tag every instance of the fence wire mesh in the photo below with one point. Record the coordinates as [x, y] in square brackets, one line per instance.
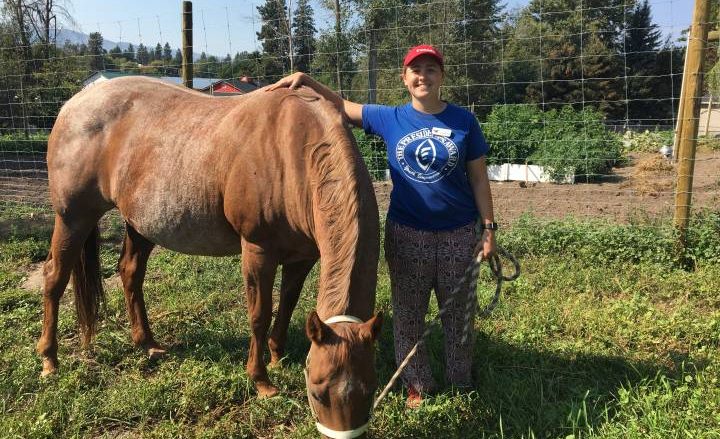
[581, 91]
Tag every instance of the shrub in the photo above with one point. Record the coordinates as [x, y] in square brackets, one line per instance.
[563, 141]
[576, 141]
[647, 141]
[16, 142]
[510, 130]
[373, 153]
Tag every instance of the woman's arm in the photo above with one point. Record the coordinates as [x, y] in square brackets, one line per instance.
[351, 110]
[480, 183]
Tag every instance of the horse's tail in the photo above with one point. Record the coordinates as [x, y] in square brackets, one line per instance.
[87, 283]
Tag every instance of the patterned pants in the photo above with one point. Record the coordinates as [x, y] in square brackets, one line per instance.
[419, 261]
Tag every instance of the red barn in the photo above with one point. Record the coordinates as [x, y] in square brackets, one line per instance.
[227, 87]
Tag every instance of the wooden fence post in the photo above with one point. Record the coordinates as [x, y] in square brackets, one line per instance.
[187, 44]
[691, 115]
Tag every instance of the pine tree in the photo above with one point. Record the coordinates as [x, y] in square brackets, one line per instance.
[167, 53]
[158, 53]
[574, 53]
[274, 37]
[476, 53]
[142, 55]
[201, 66]
[96, 51]
[642, 44]
[303, 36]
[130, 53]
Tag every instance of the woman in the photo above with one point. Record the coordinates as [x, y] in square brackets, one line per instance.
[436, 153]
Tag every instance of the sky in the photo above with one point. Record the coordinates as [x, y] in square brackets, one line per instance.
[223, 26]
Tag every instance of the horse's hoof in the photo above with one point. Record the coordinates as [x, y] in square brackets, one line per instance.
[266, 390]
[156, 353]
[49, 368]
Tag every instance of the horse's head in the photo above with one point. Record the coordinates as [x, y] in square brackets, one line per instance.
[340, 373]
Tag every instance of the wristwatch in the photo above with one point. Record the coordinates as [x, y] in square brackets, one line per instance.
[489, 226]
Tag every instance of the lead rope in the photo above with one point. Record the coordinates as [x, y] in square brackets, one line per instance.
[471, 273]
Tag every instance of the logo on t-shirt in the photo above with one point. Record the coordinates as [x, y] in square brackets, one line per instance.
[426, 157]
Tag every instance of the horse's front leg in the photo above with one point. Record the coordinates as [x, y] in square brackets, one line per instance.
[259, 273]
[293, 278]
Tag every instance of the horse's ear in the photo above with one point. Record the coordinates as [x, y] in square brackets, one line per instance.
[316, 330]
[371, 328]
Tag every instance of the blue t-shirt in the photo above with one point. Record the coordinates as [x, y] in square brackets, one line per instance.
[427, 155]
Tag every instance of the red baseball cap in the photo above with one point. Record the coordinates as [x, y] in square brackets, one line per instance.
[423, 49]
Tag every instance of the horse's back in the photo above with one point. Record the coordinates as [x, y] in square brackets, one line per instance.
[144, 147]
[189, 171]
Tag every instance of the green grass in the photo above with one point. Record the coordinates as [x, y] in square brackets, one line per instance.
[578, 347]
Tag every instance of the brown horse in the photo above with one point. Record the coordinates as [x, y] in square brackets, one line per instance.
[274, 175]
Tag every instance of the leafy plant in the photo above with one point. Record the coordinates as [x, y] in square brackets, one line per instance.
[647, 141]
[18, 142]
[510, 131]
[563, 141]
[373, 153]
[708, 142]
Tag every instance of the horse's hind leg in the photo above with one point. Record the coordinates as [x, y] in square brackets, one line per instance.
[293, 277]
[65, 248]
[259, 273]
[133, 265]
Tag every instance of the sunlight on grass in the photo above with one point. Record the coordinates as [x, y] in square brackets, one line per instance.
[576, 349]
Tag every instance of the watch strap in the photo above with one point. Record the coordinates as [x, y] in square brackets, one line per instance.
[489, 226]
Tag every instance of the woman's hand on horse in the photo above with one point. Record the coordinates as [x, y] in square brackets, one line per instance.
[291, 81]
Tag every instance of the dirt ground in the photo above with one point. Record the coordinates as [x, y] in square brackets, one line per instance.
[645, 187]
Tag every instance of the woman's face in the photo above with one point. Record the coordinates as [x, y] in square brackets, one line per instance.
[423, 78]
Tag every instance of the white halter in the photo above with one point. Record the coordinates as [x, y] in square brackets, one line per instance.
[335, 434]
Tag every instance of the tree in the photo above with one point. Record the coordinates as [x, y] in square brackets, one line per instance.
[212, 66]
[333, 62]
[475, 58]
[572, 50]
[177, 59]
[201, 66]
[142, 55]
[39, 19]
[303, 36]
[167, 53]
[332, 55]
[244, 64]
[19, 27]
[274, 35]
[158, 53]
[130, 53]
[376, 18]
[642, 44]
[96, 51]
[37, 77]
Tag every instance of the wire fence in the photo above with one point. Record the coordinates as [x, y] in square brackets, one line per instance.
[578, 98]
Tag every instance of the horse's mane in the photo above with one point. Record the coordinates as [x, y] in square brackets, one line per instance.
[336, 173]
